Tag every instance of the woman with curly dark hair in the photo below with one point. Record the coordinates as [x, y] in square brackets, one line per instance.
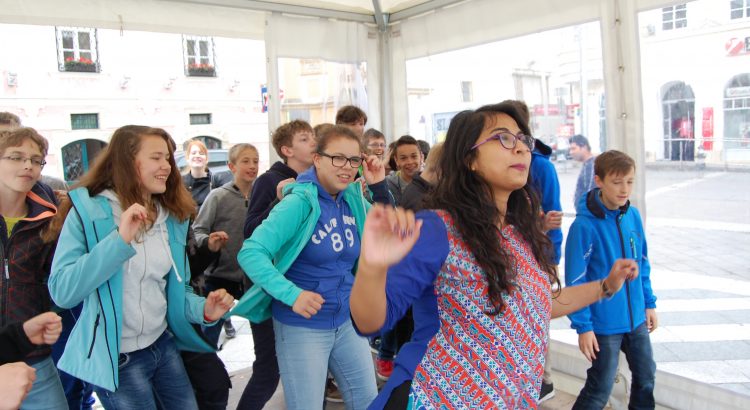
[477, 270]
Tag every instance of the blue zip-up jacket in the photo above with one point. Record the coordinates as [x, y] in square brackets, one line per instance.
[88, 267]
[290, 232]
[596, 239]
[544, 178]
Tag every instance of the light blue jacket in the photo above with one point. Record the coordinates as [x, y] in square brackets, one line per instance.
[597, 238]
[88, 267]
[275, 244]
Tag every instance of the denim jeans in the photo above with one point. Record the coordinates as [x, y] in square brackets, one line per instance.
[305, 356]
[601, 376]
[265, 378]
[47, 391]
[150, 376]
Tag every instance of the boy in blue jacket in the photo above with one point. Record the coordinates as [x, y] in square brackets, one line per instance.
[607, 228]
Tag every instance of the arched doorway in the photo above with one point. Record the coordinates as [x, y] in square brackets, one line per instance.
[78, 156]
[678, 113]
[737, 113]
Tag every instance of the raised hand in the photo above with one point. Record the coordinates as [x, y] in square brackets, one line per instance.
[131, 221]
[372, 169]
[388, 236]
[588, 345]
[43, 329]
[308, 304]
[218, 302]
[217, 240]
[622, 270]
[16, 380]
[280, 187]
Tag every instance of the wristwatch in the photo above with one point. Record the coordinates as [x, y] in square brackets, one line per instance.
[606, 291]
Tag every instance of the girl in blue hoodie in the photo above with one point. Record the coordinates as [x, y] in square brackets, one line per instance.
[122, 252]
[304, 256]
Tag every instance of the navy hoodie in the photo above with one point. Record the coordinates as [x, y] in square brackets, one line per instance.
[596, 239]
[326, 264]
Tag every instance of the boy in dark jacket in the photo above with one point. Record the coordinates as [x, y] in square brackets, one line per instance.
[27, 207]
[607, 228]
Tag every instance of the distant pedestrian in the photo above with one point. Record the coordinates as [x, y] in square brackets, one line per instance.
[580, 150]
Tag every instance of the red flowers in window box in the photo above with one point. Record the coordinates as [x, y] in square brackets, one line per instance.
[201, 70]
[81, 64]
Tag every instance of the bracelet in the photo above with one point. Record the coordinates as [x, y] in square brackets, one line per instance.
[605, 290]
[206, 319]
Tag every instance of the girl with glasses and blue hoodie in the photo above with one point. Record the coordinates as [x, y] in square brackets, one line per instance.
[122, 253]
[304, 256]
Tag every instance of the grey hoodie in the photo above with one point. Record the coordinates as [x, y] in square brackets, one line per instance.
[144, 299]
[224, 209]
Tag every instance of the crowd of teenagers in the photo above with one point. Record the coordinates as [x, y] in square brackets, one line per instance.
[382, 276]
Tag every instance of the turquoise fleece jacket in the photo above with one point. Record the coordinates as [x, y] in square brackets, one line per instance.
[88, 267]
[275, 244]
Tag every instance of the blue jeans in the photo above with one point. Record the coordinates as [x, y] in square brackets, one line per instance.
[47, 391]
[601, 376]
[305, 356]
[150, 377]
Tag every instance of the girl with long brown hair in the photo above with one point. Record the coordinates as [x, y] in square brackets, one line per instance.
[122, 252]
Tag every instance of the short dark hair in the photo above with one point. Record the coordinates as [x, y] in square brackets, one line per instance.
[7, 118]
[284, 135]
[581, 141]
[424, 146]
[613, 162]
[349, 114]
[405, 140]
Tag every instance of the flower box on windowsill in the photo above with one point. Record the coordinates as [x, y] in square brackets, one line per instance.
[82, 65]
[201, 72]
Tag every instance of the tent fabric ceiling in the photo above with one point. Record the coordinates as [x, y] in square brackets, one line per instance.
[355, 6]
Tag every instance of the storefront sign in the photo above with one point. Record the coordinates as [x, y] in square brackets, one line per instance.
[737, 46]
[708, 128]
[737, 92]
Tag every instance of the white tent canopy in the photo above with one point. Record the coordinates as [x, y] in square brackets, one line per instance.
[382, 33]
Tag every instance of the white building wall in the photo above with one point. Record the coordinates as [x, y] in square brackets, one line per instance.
[142, 81]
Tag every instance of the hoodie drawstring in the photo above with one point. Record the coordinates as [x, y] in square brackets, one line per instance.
[169, 252]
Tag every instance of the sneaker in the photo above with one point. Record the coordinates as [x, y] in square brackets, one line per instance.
[333, 394]
[384, 368]
[546, 392]
[229, 330]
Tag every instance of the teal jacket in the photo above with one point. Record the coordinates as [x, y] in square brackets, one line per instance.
[275, 244]
[88, 267]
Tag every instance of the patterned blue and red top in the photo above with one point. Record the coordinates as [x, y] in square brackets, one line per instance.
[476, 360]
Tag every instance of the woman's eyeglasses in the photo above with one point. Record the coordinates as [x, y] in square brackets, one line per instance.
[339, 161]
[509, 140]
